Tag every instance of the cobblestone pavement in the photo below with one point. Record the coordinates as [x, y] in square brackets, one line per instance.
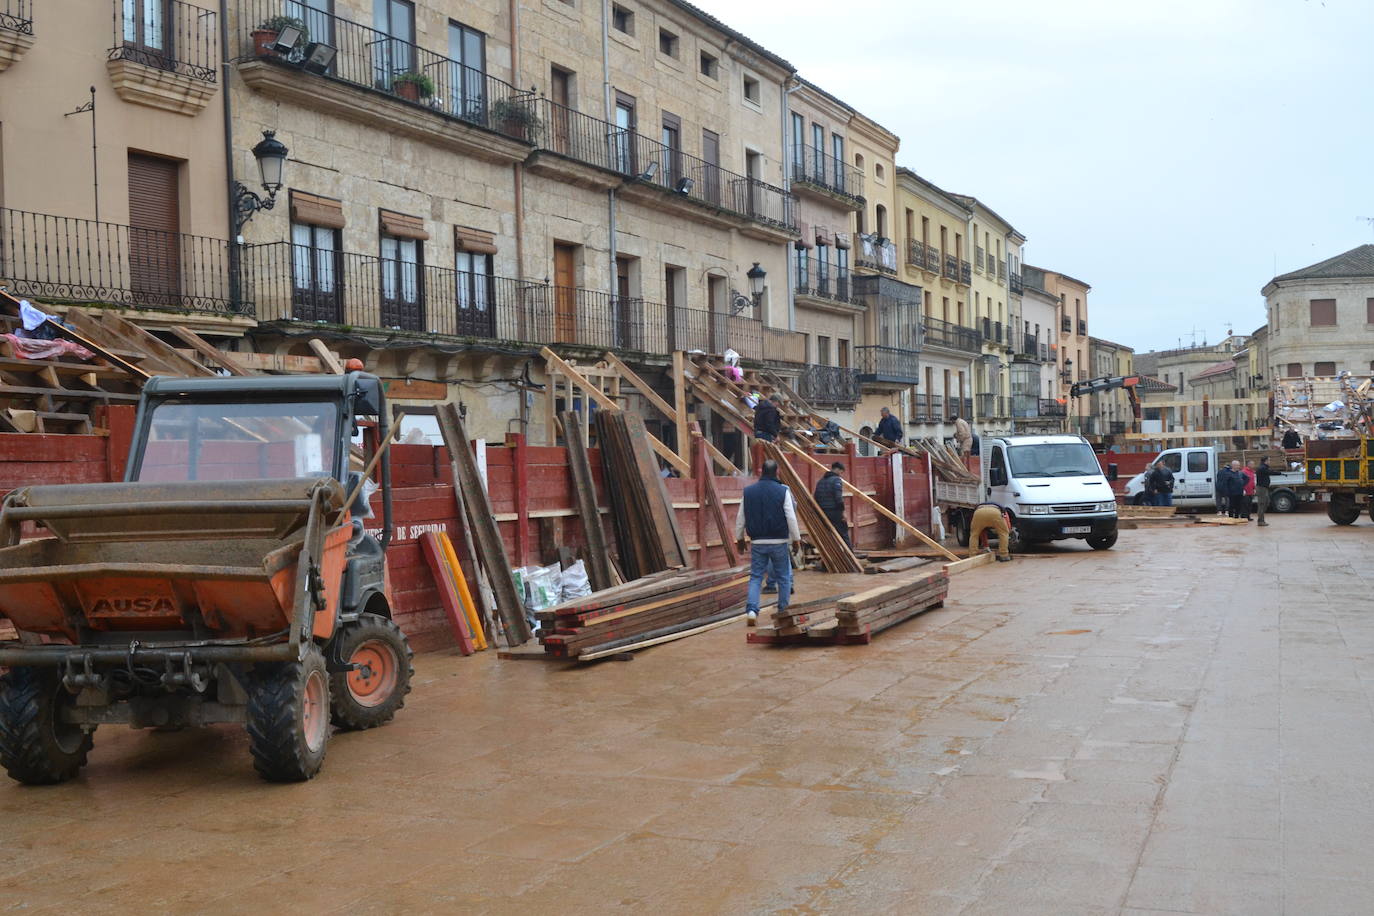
[1182, 724]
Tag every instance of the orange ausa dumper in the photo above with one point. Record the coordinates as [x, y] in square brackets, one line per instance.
[227, 579]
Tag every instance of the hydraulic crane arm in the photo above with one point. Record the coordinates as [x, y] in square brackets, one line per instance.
[1111, 383]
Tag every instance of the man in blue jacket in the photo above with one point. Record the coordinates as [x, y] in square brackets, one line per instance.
[769, 516]
[830, 497]
[889, 428]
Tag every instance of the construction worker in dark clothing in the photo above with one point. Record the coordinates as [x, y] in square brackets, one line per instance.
[991, 518]
[830, 498]
[768, 419]
[768, 516]
[889, 428]
[1264, 477]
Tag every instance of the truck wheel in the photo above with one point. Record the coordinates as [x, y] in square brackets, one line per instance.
[371, 694]
[961, 528]
[1282, 501]
[36, 747]
[1140, 499]
[1343, 510]
[1106, 542]
[288, 717]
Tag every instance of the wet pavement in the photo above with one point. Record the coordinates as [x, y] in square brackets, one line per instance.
[1183, 724]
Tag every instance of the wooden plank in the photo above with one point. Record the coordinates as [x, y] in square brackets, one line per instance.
[584, 494]
[488, 545]
[121, 331]
[881, 509]
[460, 582]
[658, 640]
[680, 404]
[713, 504]
[208, 350]
[448, 594]
[279, 362]
[326, 356]
[968, 563]
[1262, 433]
[660, 508]
[415, 389]
[642, 387]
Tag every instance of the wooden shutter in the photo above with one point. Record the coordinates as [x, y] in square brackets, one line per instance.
[154, 224]
[1295, 370]
[403, 226]
[314, 210]
[474, 240]
[1323, 312]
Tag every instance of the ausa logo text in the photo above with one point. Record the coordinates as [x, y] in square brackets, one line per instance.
[145, 605]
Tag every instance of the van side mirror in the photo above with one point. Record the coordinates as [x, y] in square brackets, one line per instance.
[997, 477]
[1112, 472]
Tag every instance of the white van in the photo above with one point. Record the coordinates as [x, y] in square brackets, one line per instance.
[1195, 473]
[1052, 486]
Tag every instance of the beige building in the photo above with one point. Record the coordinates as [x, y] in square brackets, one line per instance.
[933, 226]
[1321, 318]
[991, 240]
[1036, 402]
[1111, 409]
[1074, 356]
[112, 176]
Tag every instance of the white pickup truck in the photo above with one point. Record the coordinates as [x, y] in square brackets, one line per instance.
[1195, 481]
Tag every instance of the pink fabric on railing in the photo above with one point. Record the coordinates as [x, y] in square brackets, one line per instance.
[28, 348]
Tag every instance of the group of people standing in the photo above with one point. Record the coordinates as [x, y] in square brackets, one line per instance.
[1243, 490]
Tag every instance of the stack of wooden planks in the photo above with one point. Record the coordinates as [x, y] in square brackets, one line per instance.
[656, 608]
[860, 616]
[798, 619]
[646, 526]
[834, 552]
[948, 466]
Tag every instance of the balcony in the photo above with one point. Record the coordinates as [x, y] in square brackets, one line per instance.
[951, 268]
[1066, 325]
[830, 385]
[926, 257]
[993, 407]
[1082, 328]
[959, 407]
[294, 283]
[405, 89]
[16, 30]
[950, 336]
[170, 62]
[928, 408]
[1028, 346]
[783, 346]
[826, 177]
[872, 256]
[61, 259]
[1049, 407]
[1116, 427]
[965, 273]
[825, 284]
[890, 365]
[978, 260]
[1001, 270]
[993, 332]
[1017, 288]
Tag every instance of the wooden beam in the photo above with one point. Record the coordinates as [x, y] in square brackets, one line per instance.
[584, 494]
[641, 386]
[967, 563]
[208, 350]
[326, 356]
[882, 510]
[712, 500]
[1262, 433]
[680, 405]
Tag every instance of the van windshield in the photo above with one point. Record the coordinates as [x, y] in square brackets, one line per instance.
[1059, 459]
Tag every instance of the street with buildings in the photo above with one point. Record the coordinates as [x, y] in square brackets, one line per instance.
[568, 248]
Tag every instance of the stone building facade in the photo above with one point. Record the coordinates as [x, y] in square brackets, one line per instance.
[1074, 353]
[1321, 318]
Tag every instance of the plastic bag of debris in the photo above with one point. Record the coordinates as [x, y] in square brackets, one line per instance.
[543, 585]
[574, 582]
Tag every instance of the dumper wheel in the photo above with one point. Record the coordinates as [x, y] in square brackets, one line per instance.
[288, 717]
[1343, 510]
[36, 747]
[370, 694]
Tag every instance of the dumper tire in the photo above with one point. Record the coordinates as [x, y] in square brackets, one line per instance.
[36, 748]
[288, 717]
[1343, 510]
[366, 698]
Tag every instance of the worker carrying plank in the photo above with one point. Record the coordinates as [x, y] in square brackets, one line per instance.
[769, 517]
[768, 418]
[992, 518]
[830, 497]
[889, 430]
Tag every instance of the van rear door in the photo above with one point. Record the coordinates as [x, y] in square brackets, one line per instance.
[1195, 480]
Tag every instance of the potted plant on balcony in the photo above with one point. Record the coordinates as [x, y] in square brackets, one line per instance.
[265, 35]
[515, 118]
[412, 86]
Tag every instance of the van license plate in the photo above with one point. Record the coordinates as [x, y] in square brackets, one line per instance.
[1079, 529]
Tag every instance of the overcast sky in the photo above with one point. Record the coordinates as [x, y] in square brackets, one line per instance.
[1175, 154]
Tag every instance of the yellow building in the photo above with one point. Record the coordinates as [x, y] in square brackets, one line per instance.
[992, 237]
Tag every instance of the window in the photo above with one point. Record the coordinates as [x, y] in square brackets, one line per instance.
[667, 43]
[878, 171]
[145, 30]
[1294, 370]
[842, 272]
[402, 262]
[625, 123]
[474, 282]
[803, 280]
[859, 161]
[837, 153]
[710, 65]
[818, 153]
[1368, 311]
[842, 353]
[751, 89]
[1323, 313]
[672, 148]
[880, 220]
[1197, 462]
[823, 269]
[315, 269]
[798, 145]
[393, 57]
[822, 350]
[622, 20]
[1324, 370]
[467, 87]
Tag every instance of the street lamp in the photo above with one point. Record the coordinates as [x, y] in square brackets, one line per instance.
[270, 154]
[756, 275]
[1067, 374]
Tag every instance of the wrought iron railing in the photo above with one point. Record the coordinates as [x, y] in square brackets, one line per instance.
[926, 257]
[1116, 427]
[823, 280]
[1016, 285]
[65, 259]
[978, 259]
[872, 256]
[829, 385]
[807, 166]
[1001, 270]
[1066, 324]
[888, 364]
[965, 273]
[17, 16]
[929, 408]
[951, 267]
[959, 407]
[1082, 327]
[1029, 345]
[298, 283]
[377, 61]
[947, 334]
[168, 35]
